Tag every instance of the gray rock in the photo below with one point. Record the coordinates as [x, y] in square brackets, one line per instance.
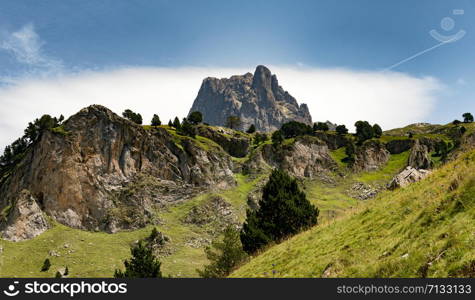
[76, 177]
[26, 220]
[371, 156]
[419, 157]
[256, 99]
[408, 176]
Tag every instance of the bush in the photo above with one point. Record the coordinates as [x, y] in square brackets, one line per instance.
[341, 129]
[456, 122]
[283, 211]
[134, 117]
[46, 265]
[195, 118]
[320, 126]
[294, 128]
[251, 129]
[58, 275]
[277, 138]
[224, 255]
[156, 121]
[142, 264]
[260, 138]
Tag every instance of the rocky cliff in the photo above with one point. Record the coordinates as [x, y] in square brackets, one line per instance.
[83, 176]
[256, 99]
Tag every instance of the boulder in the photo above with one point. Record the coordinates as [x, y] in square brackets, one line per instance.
[370, 156]
[407, 176]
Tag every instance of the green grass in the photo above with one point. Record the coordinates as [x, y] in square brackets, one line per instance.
[425, 229]
[338, 156]
[60, 130]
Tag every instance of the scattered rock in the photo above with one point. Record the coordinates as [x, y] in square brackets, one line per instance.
[362, 191]
[214, 210]
[405, 256]
[407, 176]
[198, 242]
[54, 253]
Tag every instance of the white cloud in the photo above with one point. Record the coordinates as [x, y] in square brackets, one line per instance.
[342, 96]
[26, 47]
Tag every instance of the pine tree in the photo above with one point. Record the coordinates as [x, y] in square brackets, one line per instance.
[251, 129]
[176, 123]
[283, 211]
[58, 275]
[66, 271]
[142, 264]
[378, 132]
[46, 265]
[156, 121]
[170, 123]
[195, 118]
[224, 255]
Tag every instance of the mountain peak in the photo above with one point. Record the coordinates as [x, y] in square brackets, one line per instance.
[257, 99]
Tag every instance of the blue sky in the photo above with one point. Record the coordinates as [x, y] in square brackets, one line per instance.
[91, 38]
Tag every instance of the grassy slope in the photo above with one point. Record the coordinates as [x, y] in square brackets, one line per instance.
[426, 229]
[98, 254]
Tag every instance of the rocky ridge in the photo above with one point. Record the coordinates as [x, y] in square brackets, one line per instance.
[255, 98]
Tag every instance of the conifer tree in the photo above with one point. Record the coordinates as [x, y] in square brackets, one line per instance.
[283, 211]
[142, 264]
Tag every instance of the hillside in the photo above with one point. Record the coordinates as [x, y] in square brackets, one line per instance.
[423, 230]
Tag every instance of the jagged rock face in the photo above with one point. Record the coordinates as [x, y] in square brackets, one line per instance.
[399, 146]
[370, 156]
[419, 157]
[306, 157]
[408, 176]
[26, 220]
[234, 143]
[333, 141]
[256, 99]
[76, 177]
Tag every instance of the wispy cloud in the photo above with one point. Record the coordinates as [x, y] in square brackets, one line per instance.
[339, 95]
[25, 46]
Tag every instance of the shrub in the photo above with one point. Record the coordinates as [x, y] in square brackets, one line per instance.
[58, 275]
[350, 152]
[260, 138]
[456, 122]
[294, 128]
[283, 211]
[341, 129]
[320, 126]
[277, 138]
[142, 264]
[224, 256]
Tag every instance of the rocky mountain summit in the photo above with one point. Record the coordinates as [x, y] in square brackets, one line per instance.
[256, 99]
